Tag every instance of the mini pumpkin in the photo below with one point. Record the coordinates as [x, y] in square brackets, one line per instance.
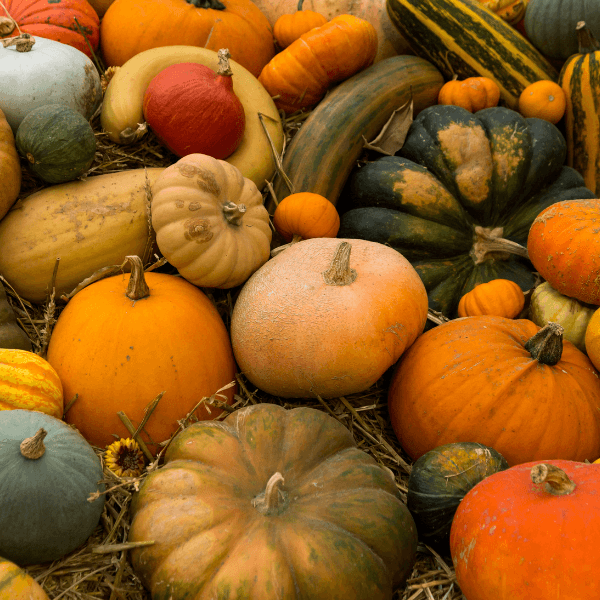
[288, 28]
[500, 297]
[543, 100]
[16, 584]
[472, 94]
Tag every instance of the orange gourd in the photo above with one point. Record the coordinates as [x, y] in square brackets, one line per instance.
[288, 28]
[299, 75]
[499, 297]
[592, 339]
[16, 584]
[543, 100]
[511, 11]
[10, 167]
[472, 94]
[123, 340]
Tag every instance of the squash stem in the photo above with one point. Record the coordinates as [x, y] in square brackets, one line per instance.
[555, 480]
[339, 272]
[214, 4]
[547, 344]
[33, 447]
[300, 3]
[271, 501]
[224, 66]
[234, 212]
[488, 241]
[587, 42]
[137, 287]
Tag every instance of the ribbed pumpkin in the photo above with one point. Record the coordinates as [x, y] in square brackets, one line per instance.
[11, 335]
[123, 340]
[47, 473]
[16, 584]
[499, 297]
[473, 93]
[288, 28]
[58, 143]
[500, 382]
[271, 503]
[10, 167]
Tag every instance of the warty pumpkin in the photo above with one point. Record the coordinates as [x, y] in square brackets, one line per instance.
[499, 297]
[289, 27]
[16, 584]
[10, 167]
[473, 93]
[500, 382]
[150, 333]
[271, 503]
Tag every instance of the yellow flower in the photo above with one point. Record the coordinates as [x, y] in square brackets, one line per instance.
[124, 458]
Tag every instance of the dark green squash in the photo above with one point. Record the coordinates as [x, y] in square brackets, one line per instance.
[45, 483]
[459, 201]
[439, 481]
[57, 142]
[11, 335]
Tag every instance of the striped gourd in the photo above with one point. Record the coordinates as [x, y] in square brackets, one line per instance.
[29, 382]
[18, 585]
[580, 79]
[464, 38]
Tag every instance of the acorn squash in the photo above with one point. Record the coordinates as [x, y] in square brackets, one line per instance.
[459, 200]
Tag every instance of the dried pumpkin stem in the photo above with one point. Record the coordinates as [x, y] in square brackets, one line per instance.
[224, 69]
[234, 212]
[271, 500]
[23, 42]
[339, 272]
[33, 447]
[488, 241]
[587, 42]
[214, 4]
[137, 287]
[547, 344]
[555, 480]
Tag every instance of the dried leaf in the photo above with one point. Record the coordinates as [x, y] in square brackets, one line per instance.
[392, 135]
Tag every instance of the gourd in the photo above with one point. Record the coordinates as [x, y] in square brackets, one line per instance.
[592, 338]
[210, 221]
[564, 247]
[17, 584]
[10, 167]
[463, 38]
[336, 142]
[122, 116]
[150, 333]
[473, 93]
[58, 143]
[51, 73]
[511, 11]
[531, 507]
[500, 382]
[132, 26]
[29, 382]
[307, 322]
[499, 297]
[299, 76]
[544, 100]
[276, 500]
[439, 481]
[89, 225]
[11, 335]
[289, 27]
[459, 200]
[71, 22]
[47, 474]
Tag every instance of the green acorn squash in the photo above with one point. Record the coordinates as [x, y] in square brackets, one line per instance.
[459, 200]
[57, 142]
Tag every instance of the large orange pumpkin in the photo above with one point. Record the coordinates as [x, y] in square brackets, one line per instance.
[488, 380]
[132, 26]
[118, 344]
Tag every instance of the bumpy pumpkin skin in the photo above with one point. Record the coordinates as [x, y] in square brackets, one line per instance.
[211, 542]
[16, 584]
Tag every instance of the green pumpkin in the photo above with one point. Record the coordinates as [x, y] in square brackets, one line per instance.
[44, 488]
[57, 142]
[459, 200]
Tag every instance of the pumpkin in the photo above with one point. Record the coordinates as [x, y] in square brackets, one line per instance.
[288, 28]
[309, 323]
[132, 26]
[438, 482]
[11, 335]
[89, 225]
[500, 297]
[271, 503]
[299, 76]
[473, 93]
[459, 200]
[48, 73]
[16, 584]
[192, 109]
[550, 24]
[510, 533]
[592, 338]
[10, 167]
[71, 22]
[210, 221]
[100, 6]
[546, 304]
[564, 247]
[544, 100]
[58, 143]
[511, 11]
[149, 334]
[46, 470]
[500, 382]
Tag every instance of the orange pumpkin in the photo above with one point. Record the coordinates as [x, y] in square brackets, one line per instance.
[10, 167]
[493, 381]
[123, 340]
[473, 93]
[288, 28]
[543, 100]
[592, 339]
[499, 297]
[16, 584]
[132, 26]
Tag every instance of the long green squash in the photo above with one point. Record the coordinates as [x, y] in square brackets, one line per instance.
[580, 79]
[324, 151]
[464, 38]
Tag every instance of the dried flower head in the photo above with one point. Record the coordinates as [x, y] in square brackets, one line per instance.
[125, 458]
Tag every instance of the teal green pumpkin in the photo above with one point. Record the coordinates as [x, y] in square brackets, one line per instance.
[459, 200]
[44, 507]
[57, 142]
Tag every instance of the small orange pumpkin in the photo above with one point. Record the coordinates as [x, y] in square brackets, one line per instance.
[288, 28]
[473, 93]
[544, 100]
[16, 584]
[499, 297]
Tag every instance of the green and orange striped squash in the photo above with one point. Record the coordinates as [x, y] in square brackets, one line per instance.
[29, 382]
[16, 584]
[464, 38]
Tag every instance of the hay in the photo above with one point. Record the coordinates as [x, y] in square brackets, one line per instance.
[100, 569]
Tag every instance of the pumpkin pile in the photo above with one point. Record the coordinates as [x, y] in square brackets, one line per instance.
[299, 299]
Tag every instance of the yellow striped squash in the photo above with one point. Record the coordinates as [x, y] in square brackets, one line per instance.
[464, 38]
[29, 382]
[580, 79]
[16, 584]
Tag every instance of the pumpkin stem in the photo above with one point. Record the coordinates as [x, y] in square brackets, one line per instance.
[224, 66]
[587, 42]
[23, 42]
[272, 499]
[556, 481]
[488, 241]
[137, 287]
[547, 344]
[300, 3]
[214, 4]
[234, 212]
[339, 272]
[33, 447]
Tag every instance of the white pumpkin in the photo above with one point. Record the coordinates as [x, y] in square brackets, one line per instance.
[49, 73]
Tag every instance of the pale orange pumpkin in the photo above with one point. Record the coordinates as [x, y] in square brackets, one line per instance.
[288, 28]
[500, 297]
